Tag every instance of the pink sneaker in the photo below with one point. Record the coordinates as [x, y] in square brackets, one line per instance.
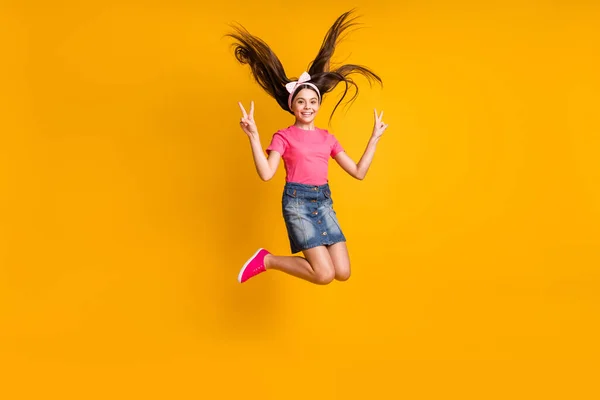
[254, 266]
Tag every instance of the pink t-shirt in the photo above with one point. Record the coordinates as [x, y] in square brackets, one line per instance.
[305, 153]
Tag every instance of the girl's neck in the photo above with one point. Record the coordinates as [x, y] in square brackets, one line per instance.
[305, 127]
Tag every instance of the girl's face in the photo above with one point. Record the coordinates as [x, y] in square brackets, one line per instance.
[305, 106]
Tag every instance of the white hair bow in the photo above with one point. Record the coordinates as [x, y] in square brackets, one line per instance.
[291, 87]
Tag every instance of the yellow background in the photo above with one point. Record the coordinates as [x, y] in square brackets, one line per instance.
[129, 201]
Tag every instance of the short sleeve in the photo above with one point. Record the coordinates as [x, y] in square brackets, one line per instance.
[336, 147]
[278, 143]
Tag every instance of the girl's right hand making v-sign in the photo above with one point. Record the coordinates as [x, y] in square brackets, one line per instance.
[247, 121]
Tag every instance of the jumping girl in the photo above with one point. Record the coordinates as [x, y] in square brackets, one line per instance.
[307, 203]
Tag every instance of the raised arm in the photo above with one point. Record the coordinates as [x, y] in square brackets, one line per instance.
[266, 167]
[359, 171]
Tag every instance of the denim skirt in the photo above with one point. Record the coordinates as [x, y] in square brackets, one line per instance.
[309, 216]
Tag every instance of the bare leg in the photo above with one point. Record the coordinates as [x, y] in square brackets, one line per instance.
[317, 267]
[341, 260]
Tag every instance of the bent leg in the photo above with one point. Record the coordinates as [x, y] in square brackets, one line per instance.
[341, 260]
[316, 267]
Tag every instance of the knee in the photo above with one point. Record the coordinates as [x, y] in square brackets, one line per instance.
[325, 277]
[342, 276]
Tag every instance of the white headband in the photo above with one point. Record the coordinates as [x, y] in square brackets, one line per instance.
[303, 80]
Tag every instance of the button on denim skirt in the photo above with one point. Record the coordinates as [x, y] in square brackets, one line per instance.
[309, 216]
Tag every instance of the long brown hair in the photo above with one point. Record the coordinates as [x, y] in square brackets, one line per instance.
[270, 74]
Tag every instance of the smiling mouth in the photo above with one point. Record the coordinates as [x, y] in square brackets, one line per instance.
[306, 114]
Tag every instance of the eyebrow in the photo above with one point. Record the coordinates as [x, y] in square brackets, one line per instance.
[311, 98]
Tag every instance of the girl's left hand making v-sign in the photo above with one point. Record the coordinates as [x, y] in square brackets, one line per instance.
[379, 127]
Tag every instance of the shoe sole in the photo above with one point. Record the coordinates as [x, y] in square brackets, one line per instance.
[246, 264]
